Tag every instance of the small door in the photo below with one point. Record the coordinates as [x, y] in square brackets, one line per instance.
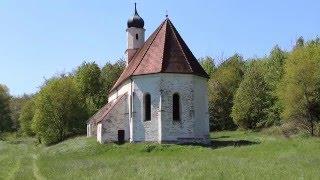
[121, 134]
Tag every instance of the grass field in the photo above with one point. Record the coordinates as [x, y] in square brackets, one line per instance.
[234, 155]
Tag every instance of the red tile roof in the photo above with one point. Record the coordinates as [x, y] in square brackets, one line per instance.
[105, 110]
[163, 52]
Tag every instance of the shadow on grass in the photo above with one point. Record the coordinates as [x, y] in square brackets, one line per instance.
[215, 143]
[221, 137]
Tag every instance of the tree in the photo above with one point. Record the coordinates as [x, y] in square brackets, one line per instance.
[222, 87]
[251, 99]
[109, 75]
[16, 105]
[300, 88]
[5, 113]
[88, 82]
[273, 73]
[59, 111]
[207, 64]
[26, 116]
[299, 42]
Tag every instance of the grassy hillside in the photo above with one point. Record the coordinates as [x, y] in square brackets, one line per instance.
[235, 155]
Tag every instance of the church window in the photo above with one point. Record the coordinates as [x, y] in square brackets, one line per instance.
[137, 36]
[176, 107]
[147, 107]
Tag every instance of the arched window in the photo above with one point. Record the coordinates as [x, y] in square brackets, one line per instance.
[147, 107]
[137, 36]
[176, 107]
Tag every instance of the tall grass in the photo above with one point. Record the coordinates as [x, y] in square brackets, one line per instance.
[267, 157]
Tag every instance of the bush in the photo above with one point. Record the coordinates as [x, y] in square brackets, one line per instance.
[59, 112]
[26, 117]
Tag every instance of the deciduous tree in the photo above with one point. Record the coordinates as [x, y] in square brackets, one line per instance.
[88, 82]
[222, 87]
[207, 64]
[26, 116]
[5, 113]
[59, 111]
[109, 75]
[273, 72]
[300, 88]
[251, 101]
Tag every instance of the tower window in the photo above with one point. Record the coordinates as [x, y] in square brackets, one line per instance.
[147, 107]
[176, 107]
[137, 36]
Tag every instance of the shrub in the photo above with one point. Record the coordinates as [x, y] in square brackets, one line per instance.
[26, 117]
[59, 112]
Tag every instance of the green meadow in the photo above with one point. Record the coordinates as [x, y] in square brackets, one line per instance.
[232, 155]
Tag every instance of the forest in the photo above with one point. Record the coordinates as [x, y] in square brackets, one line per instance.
[278, 93]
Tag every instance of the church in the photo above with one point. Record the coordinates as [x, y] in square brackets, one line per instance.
[161, 96]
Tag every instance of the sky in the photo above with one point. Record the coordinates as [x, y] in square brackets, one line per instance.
[42, 38]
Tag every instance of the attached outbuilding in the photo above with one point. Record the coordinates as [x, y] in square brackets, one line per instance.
[161, 96]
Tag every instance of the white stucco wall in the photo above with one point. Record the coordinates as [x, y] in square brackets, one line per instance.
[117, 119]
[91, 129]
[194, 123]
[183, 85]
[146, 130]
[132, 42]
[201, 107]
[125, 87]
[89, 132]
[99, 133]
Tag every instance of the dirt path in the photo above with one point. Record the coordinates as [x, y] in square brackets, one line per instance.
[36, 172]
[19, 160]
[14, 170]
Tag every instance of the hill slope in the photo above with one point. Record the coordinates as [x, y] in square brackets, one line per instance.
[235, 155]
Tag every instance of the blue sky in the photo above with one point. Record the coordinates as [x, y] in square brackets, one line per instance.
[40, 38]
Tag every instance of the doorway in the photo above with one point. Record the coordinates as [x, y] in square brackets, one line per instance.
[121, 134]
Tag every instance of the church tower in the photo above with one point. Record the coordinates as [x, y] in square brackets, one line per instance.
[135, 34]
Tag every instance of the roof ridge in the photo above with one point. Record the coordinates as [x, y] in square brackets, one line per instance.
[148, 47]
[135, 53]
[175, 37]
[164, 46]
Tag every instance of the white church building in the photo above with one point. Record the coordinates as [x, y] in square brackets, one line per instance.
[161, 96]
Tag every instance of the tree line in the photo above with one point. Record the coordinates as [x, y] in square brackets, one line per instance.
[279, 90]
[63, 104]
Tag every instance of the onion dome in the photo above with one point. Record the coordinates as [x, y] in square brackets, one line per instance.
[136, 21]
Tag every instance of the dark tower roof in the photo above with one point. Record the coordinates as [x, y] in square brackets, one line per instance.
[135, 20]
[163, 52]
